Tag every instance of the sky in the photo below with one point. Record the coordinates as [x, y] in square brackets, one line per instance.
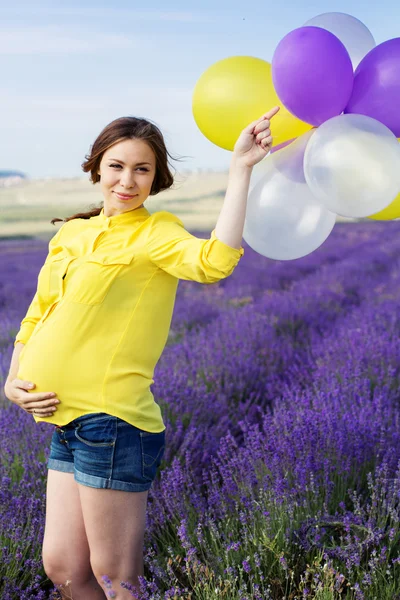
[69, 68]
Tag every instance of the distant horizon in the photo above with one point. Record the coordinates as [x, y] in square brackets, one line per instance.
[86, 175]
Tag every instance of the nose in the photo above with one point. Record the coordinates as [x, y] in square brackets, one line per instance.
[127, 179]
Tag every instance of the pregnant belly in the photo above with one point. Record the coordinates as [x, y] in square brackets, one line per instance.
[41, 361]
[62, 357]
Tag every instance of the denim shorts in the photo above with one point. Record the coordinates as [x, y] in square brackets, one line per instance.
[103, 451]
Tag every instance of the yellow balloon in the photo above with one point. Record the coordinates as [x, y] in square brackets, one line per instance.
[235, 91]
[390, 212]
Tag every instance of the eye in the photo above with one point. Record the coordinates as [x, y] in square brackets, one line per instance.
[139, 168]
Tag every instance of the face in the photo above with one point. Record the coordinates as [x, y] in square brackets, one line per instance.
[129, 168]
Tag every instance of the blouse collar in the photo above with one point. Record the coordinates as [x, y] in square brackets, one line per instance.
[125, 218]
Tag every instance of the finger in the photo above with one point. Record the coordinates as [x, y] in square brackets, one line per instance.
[22, 383]
[266, 116]
[44, 399]
[41, 397]
[42, 404]
[250, 128]
[265, 120]
[261, 126]
[271, 113]
[263, 134]
[43, 412]
[266, 141]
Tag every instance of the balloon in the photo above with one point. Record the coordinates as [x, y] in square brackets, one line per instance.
[232, 93]
[352, 164]
[390, 212]
[259, 169]
[376, 91]
[258, 172]
[312, 74]
[280, 146]
[284, 220]
[354, 35]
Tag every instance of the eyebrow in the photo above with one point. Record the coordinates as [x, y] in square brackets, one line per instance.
[122, 162]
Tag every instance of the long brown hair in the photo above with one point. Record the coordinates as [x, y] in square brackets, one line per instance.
[126, 128]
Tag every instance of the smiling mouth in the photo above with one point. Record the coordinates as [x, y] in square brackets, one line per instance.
[124, 195]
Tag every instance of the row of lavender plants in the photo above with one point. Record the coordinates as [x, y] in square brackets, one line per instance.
[279, 388]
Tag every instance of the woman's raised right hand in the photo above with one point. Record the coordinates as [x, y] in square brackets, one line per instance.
[42, 403]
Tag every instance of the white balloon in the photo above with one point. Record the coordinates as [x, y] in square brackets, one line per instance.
[352, 165]
[353, 34]
[284, 220]
[260, 169]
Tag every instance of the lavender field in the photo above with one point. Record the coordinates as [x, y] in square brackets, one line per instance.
[280, 391]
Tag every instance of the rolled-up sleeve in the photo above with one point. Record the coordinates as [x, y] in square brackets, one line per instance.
[172, 248]
[40, 301]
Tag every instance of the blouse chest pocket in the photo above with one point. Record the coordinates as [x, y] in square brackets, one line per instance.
[52, 273]
[95, 275]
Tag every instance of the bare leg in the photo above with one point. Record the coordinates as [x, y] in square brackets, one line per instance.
[115, 523]
[65, 552]
[78, 590]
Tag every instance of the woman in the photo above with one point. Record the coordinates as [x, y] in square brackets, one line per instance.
[93, 334]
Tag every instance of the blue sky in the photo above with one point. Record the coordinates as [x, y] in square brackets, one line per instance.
[69, 68]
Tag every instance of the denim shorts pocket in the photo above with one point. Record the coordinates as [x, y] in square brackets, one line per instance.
[100, 432]
[153, 448]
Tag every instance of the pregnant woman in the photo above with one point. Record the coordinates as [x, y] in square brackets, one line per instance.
[85, 354]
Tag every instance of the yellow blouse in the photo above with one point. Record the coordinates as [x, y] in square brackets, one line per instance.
[100, 317]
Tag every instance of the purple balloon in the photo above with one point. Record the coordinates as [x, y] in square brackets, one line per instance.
[280, 146]
[376, 91]
[312, 74]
